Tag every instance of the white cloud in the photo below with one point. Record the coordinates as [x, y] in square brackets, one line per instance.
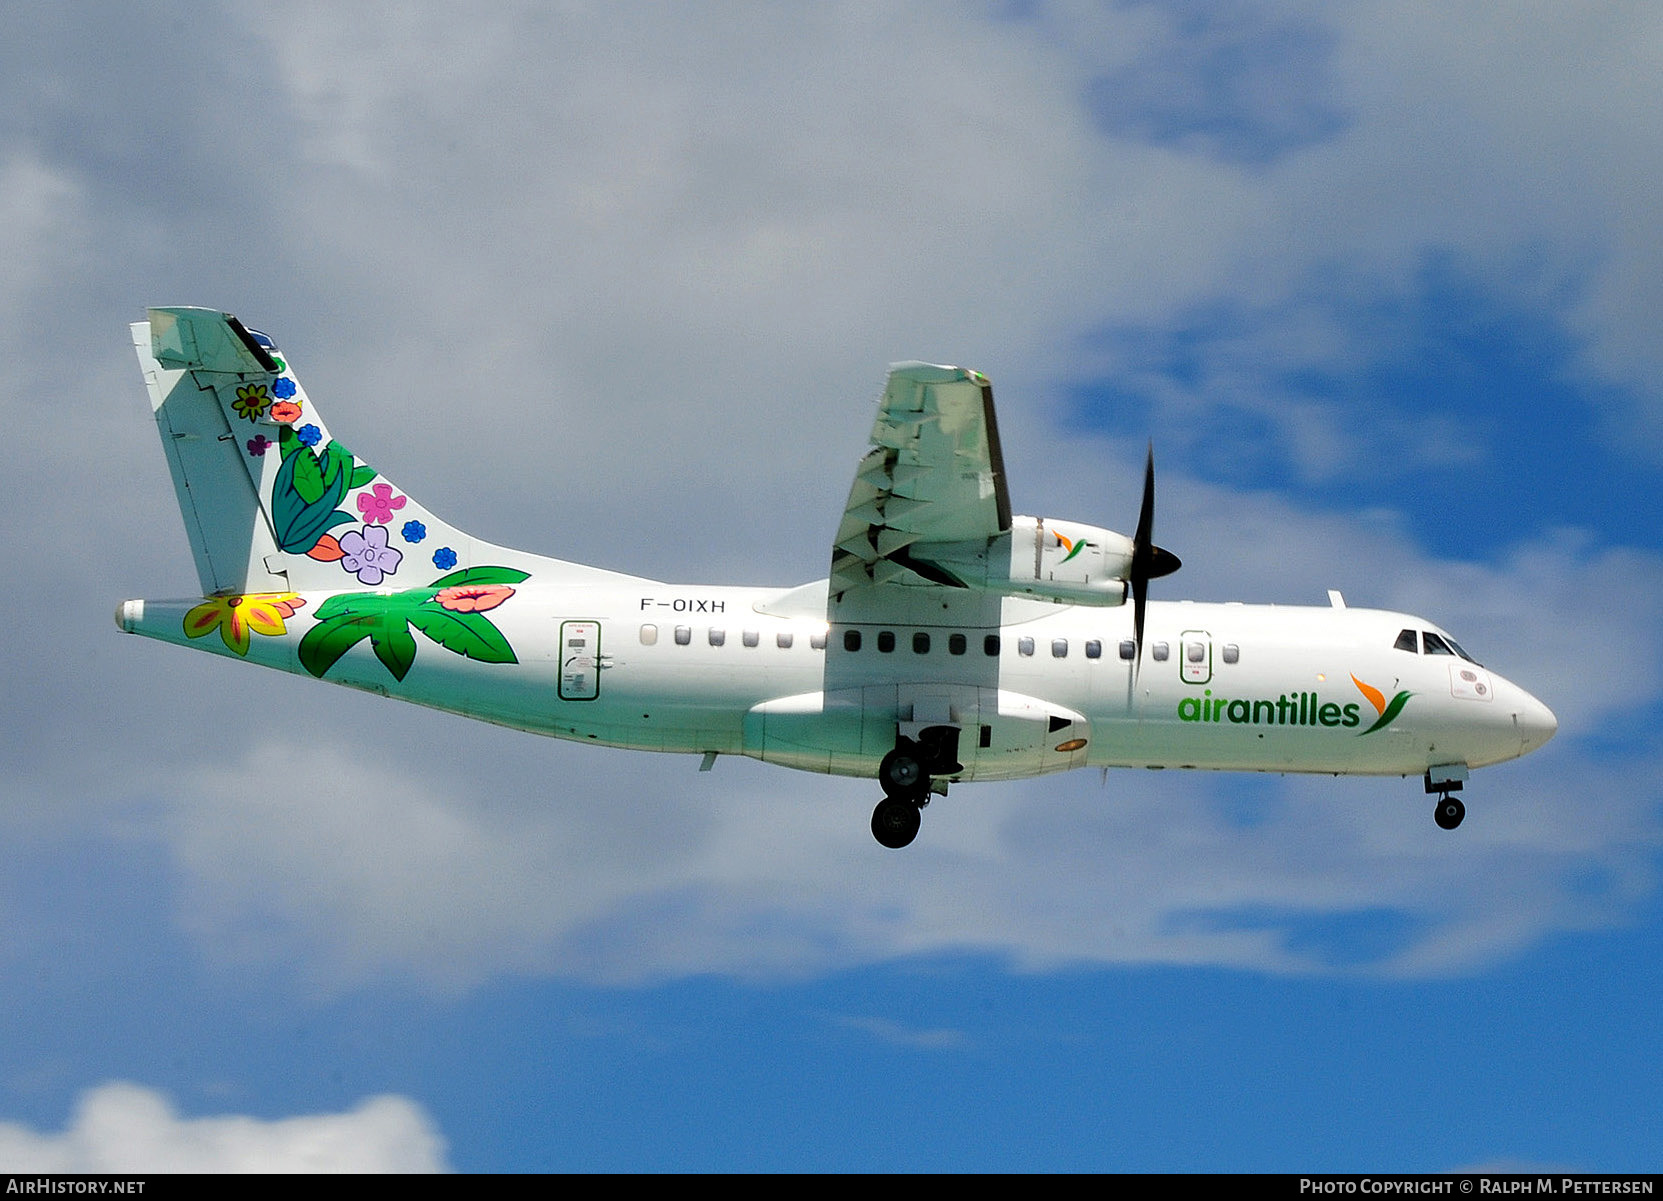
[39, 221]
[124, 1129]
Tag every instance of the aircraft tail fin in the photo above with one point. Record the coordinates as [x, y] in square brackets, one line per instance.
[271, 501]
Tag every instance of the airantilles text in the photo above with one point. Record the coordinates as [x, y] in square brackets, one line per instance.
[1299, 709]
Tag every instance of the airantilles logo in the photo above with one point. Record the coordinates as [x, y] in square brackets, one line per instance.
[1072, 546]
[1295, 709]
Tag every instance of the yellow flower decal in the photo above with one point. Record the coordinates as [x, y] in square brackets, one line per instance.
[235, 616]
[251, 401]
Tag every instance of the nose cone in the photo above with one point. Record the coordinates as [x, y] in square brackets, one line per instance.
[1535, 720]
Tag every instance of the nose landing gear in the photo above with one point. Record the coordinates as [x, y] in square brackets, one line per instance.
[1449, 811]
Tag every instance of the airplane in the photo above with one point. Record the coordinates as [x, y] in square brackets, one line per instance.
[951, 642]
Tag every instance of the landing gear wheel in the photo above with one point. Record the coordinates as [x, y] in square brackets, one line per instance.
[1449, 812]
[895, 823]
[902, 775]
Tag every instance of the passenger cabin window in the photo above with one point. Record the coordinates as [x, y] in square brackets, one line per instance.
[718, 637]
[851, 640]
[684, 635]
[1232, 652]
[1434, 644]
[1159, 652]
[783, 640]
[751, 638]
[817, 641]
[1128, 649]
[1196, 651]
[1094, 649]
[649, 635]
[1024, 646]
[1406, 641]
[920, 643]
[956, 644]
[990, 646]
[886, 641]
[1059, 648]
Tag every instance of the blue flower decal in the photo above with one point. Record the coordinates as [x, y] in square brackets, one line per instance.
[308, 435]
[444, 558]
[283, 388]
[414, 531]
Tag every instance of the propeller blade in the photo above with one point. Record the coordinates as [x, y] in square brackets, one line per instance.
[1149, 562]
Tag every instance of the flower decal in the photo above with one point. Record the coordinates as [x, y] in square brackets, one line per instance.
[283, 388]
[251, 401]
[473, 598]
[444, 558]
[236, 616]
[378, 503]
[367, 555]
[414, 531]
[257, 445]
[308, 435]
[285, 412]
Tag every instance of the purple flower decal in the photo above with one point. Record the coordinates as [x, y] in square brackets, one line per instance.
[367, 555]
[308, 435]
[414, 531]
[257, 445]
[283, 388]
[444, 558]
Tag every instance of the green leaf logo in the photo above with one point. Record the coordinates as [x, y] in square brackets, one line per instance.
[1388, 710]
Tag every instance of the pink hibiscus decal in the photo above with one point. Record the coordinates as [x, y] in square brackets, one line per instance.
[377, 505]
[473, 598]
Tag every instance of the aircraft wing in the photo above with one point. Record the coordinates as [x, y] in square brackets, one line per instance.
[934, 477]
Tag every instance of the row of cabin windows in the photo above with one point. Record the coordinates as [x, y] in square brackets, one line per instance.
[718, 636]
[957, 644]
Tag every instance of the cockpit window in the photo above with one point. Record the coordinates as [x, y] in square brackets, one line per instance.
[1406, 642]
[1435, 645]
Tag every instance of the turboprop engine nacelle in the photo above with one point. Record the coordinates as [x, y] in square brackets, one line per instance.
[1058, 560]
[1066, 561]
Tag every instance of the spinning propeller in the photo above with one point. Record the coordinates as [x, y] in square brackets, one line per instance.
[1149, 562]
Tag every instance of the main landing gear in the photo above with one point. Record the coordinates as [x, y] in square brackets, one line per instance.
[1449, 811]
[905, 776]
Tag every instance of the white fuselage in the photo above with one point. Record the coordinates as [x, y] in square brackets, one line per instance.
[697, 669]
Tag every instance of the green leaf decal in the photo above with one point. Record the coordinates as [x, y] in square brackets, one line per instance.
[305, 476]
[362, 475]
[337, 463]
[327, 641]
[347, 618]
[395, 648]
[1391, 712]
[470, 635]
[481, 575]
[306, 494]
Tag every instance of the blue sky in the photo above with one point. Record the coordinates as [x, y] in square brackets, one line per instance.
[1379, 280]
